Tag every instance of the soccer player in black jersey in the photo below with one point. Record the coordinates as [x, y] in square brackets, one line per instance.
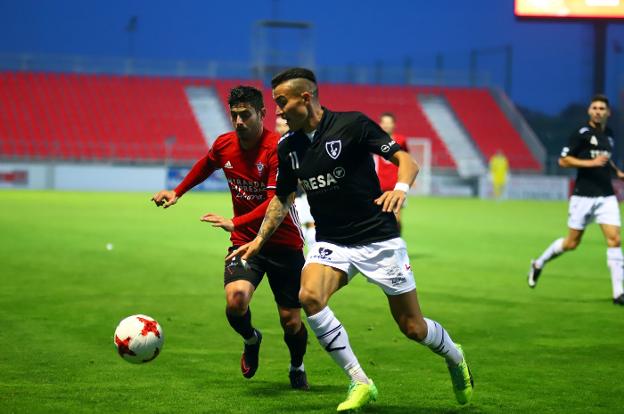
[329, 154]
[589, 150]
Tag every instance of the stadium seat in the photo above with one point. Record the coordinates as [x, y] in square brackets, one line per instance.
[489, 127]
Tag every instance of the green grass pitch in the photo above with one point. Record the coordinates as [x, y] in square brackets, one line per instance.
[555, 349]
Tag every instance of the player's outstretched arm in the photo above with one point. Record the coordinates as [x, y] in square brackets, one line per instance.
[572, 162]
[391, 201]
[275, 214]
[165, 198]
[218, 221]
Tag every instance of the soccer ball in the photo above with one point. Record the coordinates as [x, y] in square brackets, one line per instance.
[139, 339]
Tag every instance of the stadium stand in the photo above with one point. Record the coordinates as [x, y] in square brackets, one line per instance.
[401, 101]
[489, 128]
[86, 117]
[99, 117]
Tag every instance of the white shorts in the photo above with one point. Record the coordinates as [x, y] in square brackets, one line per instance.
[303, 209]
[384, 263]
[584, 210]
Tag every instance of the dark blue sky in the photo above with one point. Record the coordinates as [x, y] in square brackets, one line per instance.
[552, 63]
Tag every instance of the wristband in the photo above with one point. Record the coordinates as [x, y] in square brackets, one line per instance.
[402, 187]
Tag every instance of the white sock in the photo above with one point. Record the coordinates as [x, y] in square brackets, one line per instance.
[333, 337]
[554, 250]
[299, 368]
[615, 261]
[439, 341]
[253, 340]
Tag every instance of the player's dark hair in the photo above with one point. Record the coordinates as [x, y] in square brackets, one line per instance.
[294, 73]
[389, 115]
[246, 94]
[600, 98]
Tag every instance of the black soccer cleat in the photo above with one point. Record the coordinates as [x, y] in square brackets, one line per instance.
[249, 359]
[619, 300]
[534, 274]
[298, 380]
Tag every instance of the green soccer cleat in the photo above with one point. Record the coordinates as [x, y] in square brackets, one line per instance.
[358, 396]
[462, 379]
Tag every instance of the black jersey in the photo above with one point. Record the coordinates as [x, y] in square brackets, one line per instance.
[587, 143]
[336, 170]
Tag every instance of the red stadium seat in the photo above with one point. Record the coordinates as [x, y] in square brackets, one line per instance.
[489, 127]
[121, 118]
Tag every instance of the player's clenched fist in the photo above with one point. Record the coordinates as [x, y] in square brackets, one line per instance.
[165, 198]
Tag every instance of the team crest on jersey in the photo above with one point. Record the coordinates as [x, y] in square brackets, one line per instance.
[260, 167]
[333, 148]
[593, 140]
[611, 142]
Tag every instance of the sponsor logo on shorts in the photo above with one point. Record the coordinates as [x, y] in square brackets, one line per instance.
[396, 275]
[323, 253]
[398, 280]
[234, 263]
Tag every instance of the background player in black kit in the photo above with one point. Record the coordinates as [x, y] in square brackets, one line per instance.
[589, 150]
[329, 153]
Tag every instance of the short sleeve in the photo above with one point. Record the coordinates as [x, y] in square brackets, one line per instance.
[375, 139]
[286, 179]
[273, 166]
[574, 145]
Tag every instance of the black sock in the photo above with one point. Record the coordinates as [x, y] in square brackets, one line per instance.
[297, 345]
[241, 324]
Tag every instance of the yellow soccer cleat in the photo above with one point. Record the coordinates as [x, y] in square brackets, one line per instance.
[462, 379]
[358, 396]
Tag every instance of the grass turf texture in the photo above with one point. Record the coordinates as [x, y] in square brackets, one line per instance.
[553, 349]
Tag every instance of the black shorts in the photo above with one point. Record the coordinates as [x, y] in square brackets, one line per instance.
[282, 267]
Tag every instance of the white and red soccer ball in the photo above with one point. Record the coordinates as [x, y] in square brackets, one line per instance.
[139, 339]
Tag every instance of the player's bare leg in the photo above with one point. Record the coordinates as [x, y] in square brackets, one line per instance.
[238, 294]
[615, 261]
[554, 250]
[296, 338]
[318, 283]
[407, 314]
[573, 239]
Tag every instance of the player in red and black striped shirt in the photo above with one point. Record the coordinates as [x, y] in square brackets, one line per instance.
[248, 157]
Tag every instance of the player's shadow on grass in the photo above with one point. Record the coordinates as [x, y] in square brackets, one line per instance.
[380, 408]
[601, 299]
[271, 389]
